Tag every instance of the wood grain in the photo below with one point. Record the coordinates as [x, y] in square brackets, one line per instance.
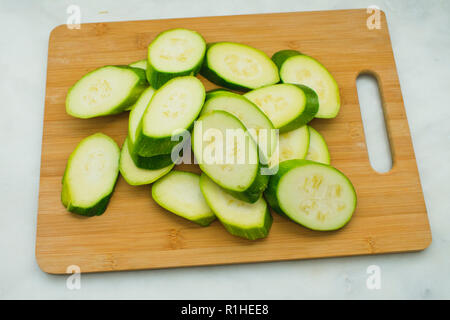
[134, 233]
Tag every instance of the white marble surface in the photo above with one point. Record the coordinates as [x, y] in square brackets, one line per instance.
[420, 32]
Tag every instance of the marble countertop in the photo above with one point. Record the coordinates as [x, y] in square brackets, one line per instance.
[420, 37]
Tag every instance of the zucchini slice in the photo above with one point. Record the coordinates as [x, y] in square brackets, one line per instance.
[249, 114]
[238, 66]
[141, 64]
[172, 109]
[90, 176]
[288, 106]
[247, 220]
[174, 53]
[105, 91]
[179, 192]
[134, 175]
[318, 149]
[291, 145]
[312, 194]
[296, 67]
[232, 162]
[150, 163]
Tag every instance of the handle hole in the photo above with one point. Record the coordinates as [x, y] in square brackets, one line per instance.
[377, 140]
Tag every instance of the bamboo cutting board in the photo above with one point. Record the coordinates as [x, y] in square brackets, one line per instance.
[134, 233]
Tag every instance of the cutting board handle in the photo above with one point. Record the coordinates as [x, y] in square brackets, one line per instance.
[378, 142]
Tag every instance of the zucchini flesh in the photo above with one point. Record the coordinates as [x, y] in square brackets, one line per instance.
[105, 91]
[291, 145]
[288, 106]
[233, 163]
[179, 192]
[247, 220]
[172, 109]
[238, 66]
[249, 114]
[141, 64]
[174, 53]
[312, 194]
[302, 69]
[318, 149]
[90, 176]
[134, 175]
[150, 163]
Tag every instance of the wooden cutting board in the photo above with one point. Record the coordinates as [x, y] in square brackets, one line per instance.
[135, 233]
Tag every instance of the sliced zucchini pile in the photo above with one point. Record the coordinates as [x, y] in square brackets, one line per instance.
[250, 147]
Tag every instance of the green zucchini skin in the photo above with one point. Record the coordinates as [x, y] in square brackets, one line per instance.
[214, 92]
[271, 190]
[311, 108]
[134, 94]
[204, 222]
[100, 206]
[270, 193]
[281, 56]
[146, 146]
[157, 78]
[252, 233]
[150, 163]
[96, 210]
[254, 191]
[139, 71]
